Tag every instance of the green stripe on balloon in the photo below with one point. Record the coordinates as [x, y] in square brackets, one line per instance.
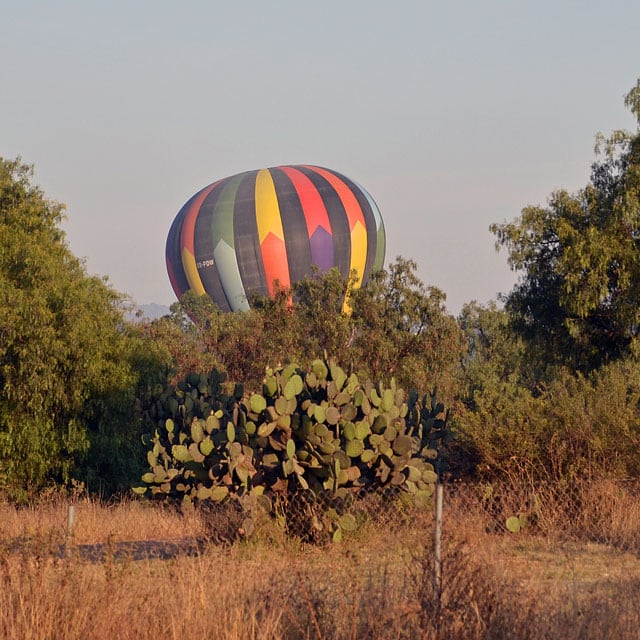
[224, 250]
[227, 263]
[222, 216]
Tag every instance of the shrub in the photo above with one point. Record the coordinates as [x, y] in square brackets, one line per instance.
[575, 427]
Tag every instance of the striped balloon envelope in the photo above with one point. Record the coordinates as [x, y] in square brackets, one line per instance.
[245, 234]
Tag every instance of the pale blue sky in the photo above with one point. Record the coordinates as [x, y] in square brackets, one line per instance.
[452, 115]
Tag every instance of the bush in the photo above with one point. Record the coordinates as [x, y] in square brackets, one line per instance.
[576, 426]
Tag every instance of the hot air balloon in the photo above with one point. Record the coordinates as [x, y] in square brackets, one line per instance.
[241, 235]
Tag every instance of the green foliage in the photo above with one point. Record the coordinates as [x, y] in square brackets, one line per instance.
[568, 427]
[574, 427]
[495, 360]
[320, 431]
[396, 327]
[401, 328]
[494, 392]
[115, 455]
[576, 303]
[318, 298]
[593, 422]
[65, 352]
[494, 354]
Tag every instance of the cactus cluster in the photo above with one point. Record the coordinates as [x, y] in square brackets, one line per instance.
[321, 432]
[194, 429]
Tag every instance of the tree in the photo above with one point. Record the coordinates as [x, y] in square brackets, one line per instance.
[65, 350]
[396, 327]
[576, 302]
[115, 455]
[494, 356]
[401, 329]
[493, 418]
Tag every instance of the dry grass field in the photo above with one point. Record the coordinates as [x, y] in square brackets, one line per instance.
[574, 574]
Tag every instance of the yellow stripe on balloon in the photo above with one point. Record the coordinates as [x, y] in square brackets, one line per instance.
[191, 271]
[358, 250]
[358, 259]
[267, 209]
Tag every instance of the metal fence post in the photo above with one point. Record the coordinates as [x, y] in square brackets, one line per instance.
[437, 568]
[70, 522]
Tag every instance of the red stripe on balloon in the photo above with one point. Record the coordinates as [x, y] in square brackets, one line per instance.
[190, 217]
[313, 207]
[350, 202]
[274, 258]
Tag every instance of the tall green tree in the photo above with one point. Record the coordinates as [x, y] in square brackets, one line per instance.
[65, 351]
[576, 302]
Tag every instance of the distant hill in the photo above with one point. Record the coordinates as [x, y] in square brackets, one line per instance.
[151, 311]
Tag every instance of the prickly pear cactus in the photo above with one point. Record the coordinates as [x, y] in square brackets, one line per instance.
[319, 432]
[332, 433]
[196, 441]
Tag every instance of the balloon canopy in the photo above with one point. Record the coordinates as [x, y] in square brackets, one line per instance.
[241, 235]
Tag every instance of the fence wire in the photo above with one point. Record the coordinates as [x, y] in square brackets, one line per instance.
[605, 512]
[314, 518]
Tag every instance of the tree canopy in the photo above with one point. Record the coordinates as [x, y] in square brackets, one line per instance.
[396, 327]
[64, 347]
[576, 302]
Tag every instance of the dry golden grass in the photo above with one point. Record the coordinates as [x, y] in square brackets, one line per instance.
[377, 585]
[97, 522]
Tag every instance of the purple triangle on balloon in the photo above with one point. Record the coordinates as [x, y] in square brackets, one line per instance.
[321, 249]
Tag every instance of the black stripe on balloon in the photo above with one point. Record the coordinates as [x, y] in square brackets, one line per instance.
[340, 233]
[203, 249]
[173, 254]
[294, 226]
[247, 243]
[370, 223]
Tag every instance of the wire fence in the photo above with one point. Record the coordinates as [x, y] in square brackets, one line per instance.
[603, 511]
[314, 518]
